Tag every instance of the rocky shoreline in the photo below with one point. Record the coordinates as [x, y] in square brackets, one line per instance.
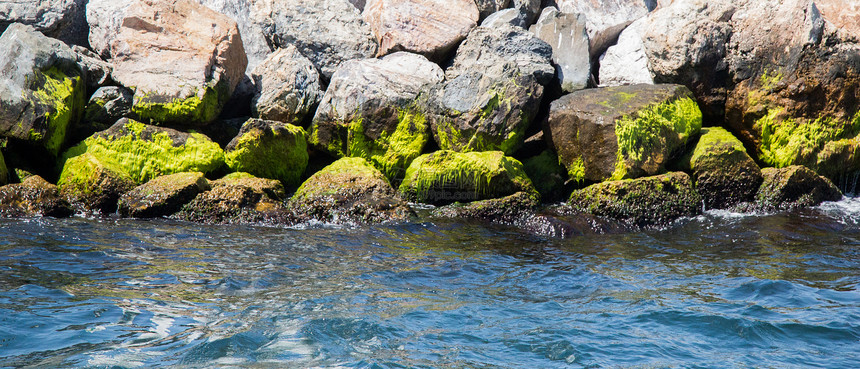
[631, 113]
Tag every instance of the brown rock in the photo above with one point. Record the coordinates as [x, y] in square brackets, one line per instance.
[793, 187]
[162, 196]
[34, 197]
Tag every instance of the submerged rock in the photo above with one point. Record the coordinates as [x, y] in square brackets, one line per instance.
[237, 198]
[32, 198]
[793, 187]
[144, 152]
[348, 191]
[370, 111]
[269, 149]
[445, 176]
[569, 40]
[642, 202]
[492, 92]
[428, 27]
[287, 87]
[42, 90]
[724, 174]
[162, 196]
[622, 132]
[506, 210]
[92, 186]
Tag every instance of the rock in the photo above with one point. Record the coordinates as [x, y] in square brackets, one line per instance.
[253, 41]
[328, 32]
[104, 18]
[106, 106]
[531, 9]
[287, 87]
[92, 186]
[794, 187]
[488, 7]
[98, 71]
[569, 40]
[269, 149]
[548, 176]
[626, 62]
[237, 198]
[41, 89]
[349, 191]
[492, 91]
[844, 14]
[4, 171]
[445, 176]
[724, 174]
[505, 210]
[606, 18]
[622, 132]
[643, 202]
[144, 152]
[370, 110]
[428, 27]
[163, 195]
[183, 59]
[60, 19]
[33, 197]
[506, 17]
[223, 131]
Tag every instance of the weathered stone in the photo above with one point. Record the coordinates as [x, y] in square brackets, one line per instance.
[106, 106]
[237, 198]
[506, 17]
[492, 92]
[105, 19]
[794, 187]
[144, 152]
[370, 111]
[269, 149]
[445, 176]
[531, 9]
[60, 19]
[287, 87]
[41, 89]
[33, 197]
[163, 195]
[488, 7]
[606, 18]
[622, 132]
[349, 191]
[91, 186]
[98, 71]
[569, 40]
[328, 32]
[844, 14]
[428, 27]
[548, 176]
[643, 202]
[253, 41]
[505, 210]
[182, 59]
[626, 62]
[724, 174]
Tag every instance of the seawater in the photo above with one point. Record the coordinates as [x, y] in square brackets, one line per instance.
[722, 290]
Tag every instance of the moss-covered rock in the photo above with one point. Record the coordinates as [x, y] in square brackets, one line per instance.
[445, 176]
[505, 210]
[33, 197]
[162, 196]
[724, 174]
[237, 198]
[793, 187]
[622, 132]
[643, 202]
[349, 190]
[548, 175]
[144, 152]
[92, 186]
[269, 149]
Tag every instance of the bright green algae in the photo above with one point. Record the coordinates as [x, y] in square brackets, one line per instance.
[64, 97]
[81, 174]
[786, 141]
[190, 110]
[279, 153]
[348, 166]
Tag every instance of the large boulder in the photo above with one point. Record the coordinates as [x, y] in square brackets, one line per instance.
[642, 202]
[724, 174]
[370, 111]
[287, 87]
[182, 59]
[104, 18]
[445, 176]
[61, 19]
[42, 90]
[626, 62]
[328, 32]
[492, 92]
[622, 132]
[794, 187]
[606, 18]
[348, 191]
[163, 195]
[144, 152]
[92, 186]
[33, 197]
[569, 40]
[254, 42]
[237, 198]
[269, 149]
[429, 27]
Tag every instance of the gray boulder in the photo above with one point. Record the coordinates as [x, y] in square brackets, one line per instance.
[106, 106]
[626, 62]
[254, 42]
[492, 91]
[567, 35]
[60, 19]
[531, 8]
[328, 32]
[104, 18]
[488, 7]
[606, 18]
[98, 71]
[506, 17]
[287, 87]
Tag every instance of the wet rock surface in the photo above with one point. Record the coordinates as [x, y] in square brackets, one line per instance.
[162, 196]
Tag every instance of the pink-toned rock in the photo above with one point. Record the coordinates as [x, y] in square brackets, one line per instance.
[428, 27]
[182, 59]
[844, 14]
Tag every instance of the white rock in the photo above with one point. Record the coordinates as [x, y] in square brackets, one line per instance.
[569, 40]
[626, 63]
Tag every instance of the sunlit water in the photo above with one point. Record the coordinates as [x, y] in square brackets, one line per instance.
[720, 291]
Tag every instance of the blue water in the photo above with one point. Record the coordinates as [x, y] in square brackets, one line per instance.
[719, 291]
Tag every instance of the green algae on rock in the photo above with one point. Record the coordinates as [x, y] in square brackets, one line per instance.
[163, 195]
[547, 175]
[144, 152]
[269, 149]
[723, 172]
[237, 198]
[4, 171]
[196, 109]
[350, 190]
[447, 176]
[92, 186]
[642, 202]
[33, 197]
[793, 187]
[622, 132]
[508, 209]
